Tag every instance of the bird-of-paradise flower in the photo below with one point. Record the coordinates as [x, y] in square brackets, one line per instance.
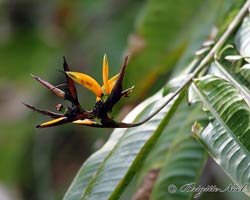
[107, 96]
[91, 84]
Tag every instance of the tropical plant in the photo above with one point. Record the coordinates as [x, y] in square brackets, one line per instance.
[217, 78]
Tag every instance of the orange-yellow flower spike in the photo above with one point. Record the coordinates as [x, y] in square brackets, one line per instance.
[105, 74]
[51, 122]
[84, 122]
[86, 81]
[112, 81]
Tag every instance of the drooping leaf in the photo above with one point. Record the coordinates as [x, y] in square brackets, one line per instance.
[227, 138]
[128, 155]
[182, 167]
[89, 168]
[122, 154]
[185, 115]
[168, 152]
[176, 146]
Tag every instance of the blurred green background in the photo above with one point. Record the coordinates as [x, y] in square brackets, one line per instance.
[35, 35]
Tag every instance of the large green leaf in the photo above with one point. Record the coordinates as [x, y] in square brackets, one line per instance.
[186, 115]
[107, 172]
[227, 138]
[172, 133]
[173, 153]
[128, 155]
[183, 165]
[90, 167]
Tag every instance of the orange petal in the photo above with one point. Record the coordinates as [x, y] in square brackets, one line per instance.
[87, 82]
[105, 74]
[51, 122]
[112, 81]
[84, 122]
